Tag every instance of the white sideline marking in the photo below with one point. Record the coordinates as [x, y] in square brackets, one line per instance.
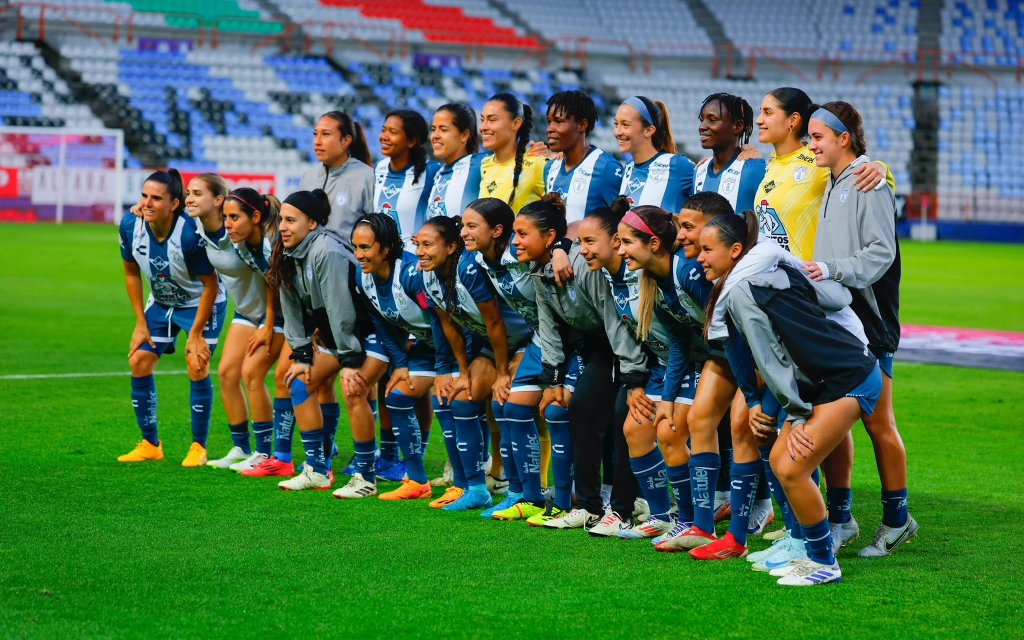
[95, 374]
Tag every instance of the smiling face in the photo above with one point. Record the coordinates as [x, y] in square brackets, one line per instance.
[238, 224]
[691, 223]
[630, 132]
[199, 199]
[431, 249]
[295, 226]
[477, 233]
[597, 246]
[368, 252]
[498, 129]
[717, 129]
[394, 143]
[448, 142]
[155, 203]
[563, 131]
[637, 251]
[329, 146]
[773, 125]
[530, 243]
[830, 150]
[717, 257]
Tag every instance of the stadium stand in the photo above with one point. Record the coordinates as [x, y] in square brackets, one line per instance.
[984, 32]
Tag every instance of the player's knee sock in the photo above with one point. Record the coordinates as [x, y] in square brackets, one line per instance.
[388, 444]
[447, 422]
[332, 416]
[725, 453]
[840, 505]
[741, 496]
[407, 432]
[818, 542]
[240, 435]
[144, 403]
[469, 440]
[780, 495]
[366, 453]
[525, 449]
[313, 444]
[284, 423]
[201, 401]
[704, 469]
[508, 461]
[652, 477]
[263, 434]
[679, 480]
[561, 454]
[764, 492]
[894, 508]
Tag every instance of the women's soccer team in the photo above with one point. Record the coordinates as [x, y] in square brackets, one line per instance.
[636, 350]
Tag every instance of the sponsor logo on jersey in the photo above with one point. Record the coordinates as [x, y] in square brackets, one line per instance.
[390, 190]
[491, 186]
[768, 187]
[806, 158]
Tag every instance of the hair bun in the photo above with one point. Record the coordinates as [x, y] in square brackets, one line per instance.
[554, 199]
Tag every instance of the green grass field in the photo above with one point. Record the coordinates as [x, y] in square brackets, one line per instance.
[92, 548]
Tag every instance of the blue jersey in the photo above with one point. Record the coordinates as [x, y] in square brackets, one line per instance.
[171, 267]
[738, 182]
[395, 194]
[685, 293]
[513, 283]
[455, 186]
[592, 184]
[665, 181]
[472, 286]
[626, 292]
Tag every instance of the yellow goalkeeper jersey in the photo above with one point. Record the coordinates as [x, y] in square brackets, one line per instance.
[496, 180]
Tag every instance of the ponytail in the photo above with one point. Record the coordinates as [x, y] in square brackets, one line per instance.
[464, 119]
[496, 212]
[663, 224]
[358, 149]
[268, 206]
[741, 229]
[792, 101]
[547, 214]
[171, 179]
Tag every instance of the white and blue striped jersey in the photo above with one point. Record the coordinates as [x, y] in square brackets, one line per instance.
[685, 293]
[455, 186]
[242, 272]
[738, 182]
[665, 181]
[513, 283]
[473, 286]
[395, 194]
[592, 184]
[625, 287]
[171, 267]
[400, 298]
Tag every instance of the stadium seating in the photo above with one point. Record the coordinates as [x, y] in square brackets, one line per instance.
[31, 94]
[984, 32]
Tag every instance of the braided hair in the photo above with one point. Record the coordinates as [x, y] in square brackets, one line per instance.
[450, 230]
[416, 129]
[576, 105]
[358, 149]
[517, 109]
[739, 111]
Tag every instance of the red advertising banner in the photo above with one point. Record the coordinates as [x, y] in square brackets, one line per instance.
[262, 182]
[8, 182]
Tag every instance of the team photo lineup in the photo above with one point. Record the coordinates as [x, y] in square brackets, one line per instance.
[637, 349]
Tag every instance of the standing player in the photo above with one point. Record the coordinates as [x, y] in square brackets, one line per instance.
[185, 293]
[726, 122]
[404, 176]
[508, 173]
[455, 141]
[656, 175]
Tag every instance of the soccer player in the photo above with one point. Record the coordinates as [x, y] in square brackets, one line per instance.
[791, 342]
[656, 175]
[508, 173]
[185, 293]
[309, 268]
[856, 245]
[455, 141]
[726, 123]
[404, 176]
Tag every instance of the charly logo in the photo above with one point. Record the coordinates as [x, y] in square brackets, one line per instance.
[799, 174]
[768, 187]
[844, 194]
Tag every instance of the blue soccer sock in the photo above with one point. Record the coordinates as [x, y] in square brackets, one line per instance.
[332, 416]
[818, 542]
[840, 505]
[485, 430]
[406, 428]
[703, 478]
[679, 480]
[373, 408]
[263, 433]
[313, 443]
[365, 458]
[240, 435]
[447, 422]
[741, 496]
[201, 402]
[792, 525]
[561, 454]
[764, 492]
[388, 444]
[525, 449]
[284, 424]
[894, 508]
[469, 440]
[508, 461]
[653, 480]
[144, 403]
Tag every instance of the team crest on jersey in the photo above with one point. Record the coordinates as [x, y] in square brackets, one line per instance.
[341, 199]
[799, 174]
[309, 271]
[159, 263]
[771, 225]
[578, 183]
[571, 290]
[844, 194]
[729, 185]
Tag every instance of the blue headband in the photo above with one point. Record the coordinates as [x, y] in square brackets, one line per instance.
[829, 119]
[641, 108]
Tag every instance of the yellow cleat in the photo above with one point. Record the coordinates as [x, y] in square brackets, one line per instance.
[451, 494]
[144, 452]
[410, 490]
[196, 456]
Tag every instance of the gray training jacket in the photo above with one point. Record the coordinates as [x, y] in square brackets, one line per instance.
[350, 189]
[319, 298]
[585, 304]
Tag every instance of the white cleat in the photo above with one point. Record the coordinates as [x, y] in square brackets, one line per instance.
[843, 533]
[235, 455]
[610, 525]
[888, 538]
[356, 488]
[793, 550]
[446, 478]
[679, 528]
[641, 511]
[575, 519]
[307, 479]
[807, 573]
[650, 528]
[249, 463]
[761, 516]
[764, 554]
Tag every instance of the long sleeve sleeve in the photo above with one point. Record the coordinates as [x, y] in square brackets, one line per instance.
[330, 268]
[877, 225]
[632, 361]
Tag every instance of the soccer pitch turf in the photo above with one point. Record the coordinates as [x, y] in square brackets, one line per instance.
[93, 548]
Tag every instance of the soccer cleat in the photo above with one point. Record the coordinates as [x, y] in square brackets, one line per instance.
[356, 488]
[761, 516]
[843, 533]
[794, 550]
[575, 519]
[807, 573]
[641, 510]
[888, 538]
[764, 554]
[722, 549]
[650, 528]
[521, 510]
[410, 490]
[723, 508]
[249, 463]
[692, 539]
[196, 456]
[471, 499]
[550, 513]
[451, 494]
[446, 478]
[271, 467]
[143, 452]
[307, 479]
[609, 526]
[497, 486]
[234, 455]
[778, 534]
[510, 499]
[389, 470]
[678, 529]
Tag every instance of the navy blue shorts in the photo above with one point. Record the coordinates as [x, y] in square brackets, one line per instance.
[165, 323]
[868, 391]
[573, 369]
[528, 373]
[885, 362]
[655, 385]
[421, 359]
[688, 389]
